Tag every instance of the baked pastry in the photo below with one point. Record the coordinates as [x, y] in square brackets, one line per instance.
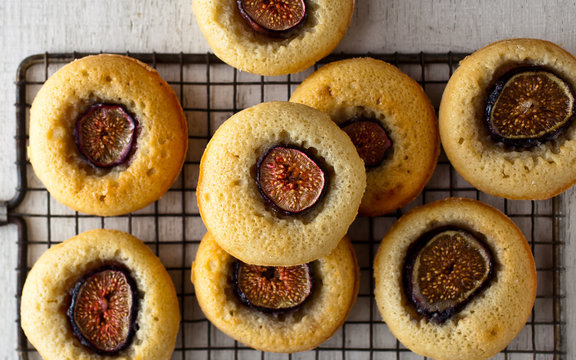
[329, 298]
[490, 119]
[100, 293]
[107, 135]
[390, 120]
[455, 279]
[279, 184]
[285, 39]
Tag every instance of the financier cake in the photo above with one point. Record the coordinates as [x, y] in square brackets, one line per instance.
[102, 293]
[277, 309]
[455, 280]
[279, 184]
[390, 120]
[107, 135]
[273, 38]
[507, 119]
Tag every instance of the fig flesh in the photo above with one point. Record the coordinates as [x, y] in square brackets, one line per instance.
[105, 135]
[272, 289]
[528, 107]
[103, 310]
[445, 270]
[290, 179]
[370, 138]
[274, 18]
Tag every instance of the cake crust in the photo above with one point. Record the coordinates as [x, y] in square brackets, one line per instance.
[53, 276]
[233, 41]
[236, 213]
[540, 172]
[161, 141]
[366, 87]
[336, 288]
[486, 324]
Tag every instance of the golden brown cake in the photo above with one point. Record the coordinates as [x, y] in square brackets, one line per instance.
[494, 156]
[455, 279]
[279, 184]
[107, 135]
[334, 291]
[234, 40]
[401, 150]
[67, 274]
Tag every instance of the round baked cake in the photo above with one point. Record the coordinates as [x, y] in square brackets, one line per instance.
[279, 184]
[102, 293]
[506, 119]
[286, 38]
[325, 291]
[107, 135]
[455, 279]
[390, 120]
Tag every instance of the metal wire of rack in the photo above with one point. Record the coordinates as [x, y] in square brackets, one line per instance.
[210, 92]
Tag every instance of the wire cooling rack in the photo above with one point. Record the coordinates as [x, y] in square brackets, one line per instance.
[210, 92]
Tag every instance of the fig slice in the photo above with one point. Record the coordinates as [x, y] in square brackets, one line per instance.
[290, 179]
[370, 139]
[528, 107]
[105, 135]
[273, 17]
[272, 288]
[444, 271]
[103, 310]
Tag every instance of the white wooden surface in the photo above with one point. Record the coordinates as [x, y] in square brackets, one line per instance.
[35, 26]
